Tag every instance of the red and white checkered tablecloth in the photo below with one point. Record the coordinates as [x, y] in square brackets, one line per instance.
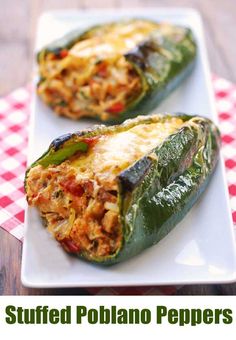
[14, 118]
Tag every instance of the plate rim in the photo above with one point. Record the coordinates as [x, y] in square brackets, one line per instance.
[205, 62]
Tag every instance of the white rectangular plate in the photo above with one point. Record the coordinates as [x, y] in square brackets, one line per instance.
[200, 249]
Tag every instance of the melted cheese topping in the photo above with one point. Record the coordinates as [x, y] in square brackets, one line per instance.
[114, 153]
[117, 41]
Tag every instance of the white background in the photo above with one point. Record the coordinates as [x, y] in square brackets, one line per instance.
[150, 331]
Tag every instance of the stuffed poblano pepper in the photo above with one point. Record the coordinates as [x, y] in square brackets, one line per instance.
[115, 70]
[109, 192]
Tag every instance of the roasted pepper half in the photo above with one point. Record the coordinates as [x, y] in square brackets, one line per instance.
[115, 70]
[108, 193]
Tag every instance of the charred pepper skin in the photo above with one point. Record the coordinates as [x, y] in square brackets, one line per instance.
[158, 190]
[161, 63]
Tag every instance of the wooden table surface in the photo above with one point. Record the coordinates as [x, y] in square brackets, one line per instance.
[18, 20]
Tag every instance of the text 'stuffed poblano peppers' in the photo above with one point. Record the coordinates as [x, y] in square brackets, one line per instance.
[115, 70]
[110, 192]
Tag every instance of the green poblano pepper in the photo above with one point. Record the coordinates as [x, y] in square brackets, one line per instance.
[156, 191]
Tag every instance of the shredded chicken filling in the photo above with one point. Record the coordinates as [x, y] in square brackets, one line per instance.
[104, 88]
[93, 77]
[80, 214]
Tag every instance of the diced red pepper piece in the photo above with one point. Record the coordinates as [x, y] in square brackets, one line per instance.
[102, 70]
[116, 108]
[72, 187]
[91, 141]
[63, 53]
[73, 248]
